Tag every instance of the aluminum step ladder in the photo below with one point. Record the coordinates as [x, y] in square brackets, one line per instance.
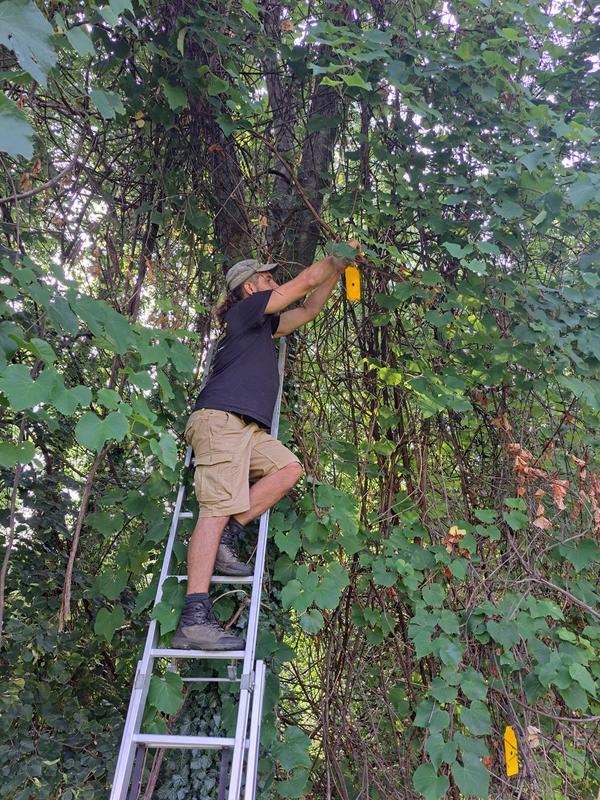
[243, 748]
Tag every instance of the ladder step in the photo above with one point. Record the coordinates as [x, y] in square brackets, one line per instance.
[226, 654]
[186, 514]
[164, 740]
[220, 578]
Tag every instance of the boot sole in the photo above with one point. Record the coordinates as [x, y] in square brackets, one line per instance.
[219, 570]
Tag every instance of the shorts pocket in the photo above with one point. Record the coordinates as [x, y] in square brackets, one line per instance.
[214, 477]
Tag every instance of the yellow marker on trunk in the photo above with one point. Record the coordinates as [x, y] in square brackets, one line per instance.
[511, 752]
[352, 275]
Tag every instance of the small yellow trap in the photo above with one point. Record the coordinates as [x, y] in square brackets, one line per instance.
[352, 275]
[511, 752]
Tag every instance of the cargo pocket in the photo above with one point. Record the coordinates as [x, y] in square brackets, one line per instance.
[214, 477]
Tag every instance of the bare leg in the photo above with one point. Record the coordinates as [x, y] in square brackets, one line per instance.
[204, 543]
[202, 552]
[268, 490]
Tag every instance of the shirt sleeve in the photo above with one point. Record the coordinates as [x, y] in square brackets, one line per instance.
[251, 310]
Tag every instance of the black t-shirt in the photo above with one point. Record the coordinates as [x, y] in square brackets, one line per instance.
[244, 378]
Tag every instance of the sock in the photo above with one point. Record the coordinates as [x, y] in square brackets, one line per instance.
[195, 597]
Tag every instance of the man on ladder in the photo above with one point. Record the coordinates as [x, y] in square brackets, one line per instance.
[228, 430]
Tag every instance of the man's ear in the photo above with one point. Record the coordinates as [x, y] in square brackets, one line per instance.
[249, 288]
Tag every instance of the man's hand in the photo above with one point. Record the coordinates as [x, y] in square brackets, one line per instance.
[341, 262]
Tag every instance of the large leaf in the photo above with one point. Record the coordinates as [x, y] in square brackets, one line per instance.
[16, 134]
[471, 777]
[27, 32]
[108, 621]
[166, 694]
[428, 783]
[12, 454]
[293, 750]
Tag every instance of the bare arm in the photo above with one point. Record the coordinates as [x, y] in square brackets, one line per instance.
[296, 317]
[327, 269]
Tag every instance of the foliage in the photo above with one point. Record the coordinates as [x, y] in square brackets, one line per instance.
[435, 579]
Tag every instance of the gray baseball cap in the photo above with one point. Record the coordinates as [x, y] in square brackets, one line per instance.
[242, 270]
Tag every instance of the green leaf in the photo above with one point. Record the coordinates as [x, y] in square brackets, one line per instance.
[296, 785]
[216, 85]
[356, 79]
[80, 41]
[333, 582]
[442, 691]
[579, 673]
[67, 400]
[166, 694]
[92, 432]
[176, 96]
[182, 357]
[581, 192]
[288, 542]
[108, 104]
[293, 750]
[471, 777]
[13, 454]
[476, 718]
[504, 632]
[486, 514]
[515, 519]
[456, 250]
[312, 622]
[440, 751]
[465, 51]
[434, 595]
[473, 684]
[508, 209]
[21, 390]
[165, 449]
[108, 621]
[428, 783]
[27, 32]
[16, 134]
[167, 614]
[110, 584]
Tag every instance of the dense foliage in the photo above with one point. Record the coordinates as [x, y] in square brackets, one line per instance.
[434, 579]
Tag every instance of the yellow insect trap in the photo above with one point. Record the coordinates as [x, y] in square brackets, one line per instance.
[352, 276]
[511, 752]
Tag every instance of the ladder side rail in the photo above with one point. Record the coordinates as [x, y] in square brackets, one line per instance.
[141, 685]
[143, 672]
[254, 735]
[237, 761]
[152, 637]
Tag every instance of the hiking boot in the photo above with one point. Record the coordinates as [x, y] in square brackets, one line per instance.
[228, 559]
[199, 629]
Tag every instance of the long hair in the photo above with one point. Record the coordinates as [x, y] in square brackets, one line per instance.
[228, 302]
[230, 299]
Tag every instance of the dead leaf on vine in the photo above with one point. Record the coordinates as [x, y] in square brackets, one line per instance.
[533, 736]
[559, 491]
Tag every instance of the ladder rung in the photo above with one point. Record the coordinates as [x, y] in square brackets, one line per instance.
[220, 578]
[234, 654]
[186, 514]
[164, 740]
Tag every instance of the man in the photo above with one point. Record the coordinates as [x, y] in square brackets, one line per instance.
[228, 430]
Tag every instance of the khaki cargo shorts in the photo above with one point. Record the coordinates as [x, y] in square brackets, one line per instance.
[229, 455]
